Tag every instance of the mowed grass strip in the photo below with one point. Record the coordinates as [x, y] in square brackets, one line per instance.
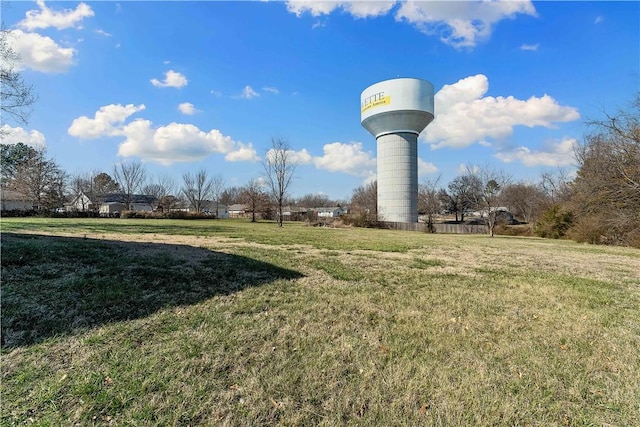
[444, 333]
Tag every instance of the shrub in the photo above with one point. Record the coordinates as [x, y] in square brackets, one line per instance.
[514, 230]
[555, 222]
[589, 229]
[362, 219]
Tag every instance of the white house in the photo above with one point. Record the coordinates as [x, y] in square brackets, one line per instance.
[209, 207]
[331, 212]
[238, 211]
[81, 203]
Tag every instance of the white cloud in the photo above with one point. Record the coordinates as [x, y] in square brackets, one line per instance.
[15, 135]
[315, 8]
[216, 93]
[45, 17]
[459, 24]
[554, 153]
[531, 47]
[249, 93]
[242, 153]
[178, 142]
[599, 19]
[425, 168]
[359, 9]
[464, 115]
[107, 121]
[103, 32]
[318, 24]
[346, 158]
[171, 79]
[175, 142]
[187, 108]
[40, 53]
[301, 157]
[273, 90]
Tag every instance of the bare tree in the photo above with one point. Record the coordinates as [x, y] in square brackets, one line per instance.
[80, 185]
[231, 195]
[31, 173]
[464, 191]
[365, 199]
[197, 188]
[130, 177]
[447, 202]
[524, 200]
[606, 190]
[279, 168]
[253, 195]
[557, 186]
[161, 188]
[218, 186]
[315, 201]
[16, 97]
[486, 193]
[429, 203]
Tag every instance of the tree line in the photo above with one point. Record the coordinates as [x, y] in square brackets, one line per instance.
[28, 171]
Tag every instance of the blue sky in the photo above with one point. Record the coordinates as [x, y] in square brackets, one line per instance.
[183, 86]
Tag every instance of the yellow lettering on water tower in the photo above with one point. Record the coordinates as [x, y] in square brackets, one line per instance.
[385, 100]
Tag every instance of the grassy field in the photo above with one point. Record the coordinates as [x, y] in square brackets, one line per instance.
[168, 322]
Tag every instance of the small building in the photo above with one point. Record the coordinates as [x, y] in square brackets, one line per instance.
[209, 207]
[83, 202]
[329, 212]
[111, 208]
[238, 210]
[11, 200]
[293, 213]
[112, 204]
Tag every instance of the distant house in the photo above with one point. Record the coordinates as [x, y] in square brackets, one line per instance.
[244, 211]
[111, 208]
[81, 203]
[502, 214]
[209, 207]
[11, 200]
[330, 212]
[223, 212]
[110, 204]
[237, 210]
[294, 213]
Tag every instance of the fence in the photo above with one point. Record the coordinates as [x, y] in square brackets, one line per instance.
[439, 228]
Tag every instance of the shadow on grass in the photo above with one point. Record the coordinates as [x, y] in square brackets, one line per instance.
[59, 285]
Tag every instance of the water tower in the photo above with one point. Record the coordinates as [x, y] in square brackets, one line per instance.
[395, 112]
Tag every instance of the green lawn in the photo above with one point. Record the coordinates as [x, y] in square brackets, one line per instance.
[170, 322]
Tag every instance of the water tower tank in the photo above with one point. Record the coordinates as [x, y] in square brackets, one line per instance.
[395, 112]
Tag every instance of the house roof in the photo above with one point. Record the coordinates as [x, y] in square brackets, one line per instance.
[14, 195]
[118, 197]
[238, 207]
[135, 198]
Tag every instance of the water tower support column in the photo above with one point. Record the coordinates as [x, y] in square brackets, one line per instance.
[398, 177]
